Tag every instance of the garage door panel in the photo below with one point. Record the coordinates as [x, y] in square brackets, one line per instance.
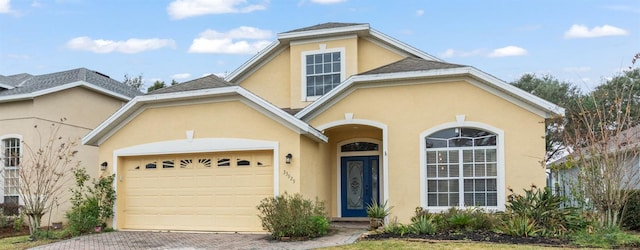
[196, 194]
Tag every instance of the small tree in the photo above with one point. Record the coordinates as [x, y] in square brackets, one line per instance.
[605, 138]
[43, 172]
[135, 82]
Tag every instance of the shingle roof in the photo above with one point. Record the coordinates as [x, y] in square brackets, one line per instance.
[27, 84]
[324, 26]
[207, 82]
[411, 64]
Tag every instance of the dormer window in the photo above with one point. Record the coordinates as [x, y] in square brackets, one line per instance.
[322, 70]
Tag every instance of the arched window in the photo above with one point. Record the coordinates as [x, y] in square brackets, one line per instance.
[461, 168]
[11, 152]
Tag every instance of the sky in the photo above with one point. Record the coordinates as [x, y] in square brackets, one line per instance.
[583, 42]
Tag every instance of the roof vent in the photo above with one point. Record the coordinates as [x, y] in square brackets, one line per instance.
[101, 74]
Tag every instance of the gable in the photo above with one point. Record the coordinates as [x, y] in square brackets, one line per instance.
[181, 100]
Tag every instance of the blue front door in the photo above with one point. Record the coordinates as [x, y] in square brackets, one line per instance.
[359, 184]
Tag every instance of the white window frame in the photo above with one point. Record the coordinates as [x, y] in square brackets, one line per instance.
[4, 168]
[500, 182]
[303, 66]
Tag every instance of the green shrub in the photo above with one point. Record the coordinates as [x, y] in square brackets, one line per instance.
[631, 212]
[18, 223]
[83, 217]
[378, 211]
[519, 226]
[293, 216]
[545, 210]
[423, 224]
[396, 227]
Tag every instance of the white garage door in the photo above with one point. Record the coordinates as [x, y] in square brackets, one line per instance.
[209, 192]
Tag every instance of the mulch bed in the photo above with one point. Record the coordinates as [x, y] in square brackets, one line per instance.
[10, 232]
[478, 236]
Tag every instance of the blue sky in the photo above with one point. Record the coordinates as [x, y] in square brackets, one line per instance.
[579, 41]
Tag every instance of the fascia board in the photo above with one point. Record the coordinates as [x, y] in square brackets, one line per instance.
[322, 32]
[406, 47]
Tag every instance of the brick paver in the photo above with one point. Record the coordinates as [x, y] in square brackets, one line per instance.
[179, 240]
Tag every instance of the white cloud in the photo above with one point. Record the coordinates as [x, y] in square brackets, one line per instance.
[180, 76]
[5, 6]
[419, 12]
[449, 53]
[581, 31]
[129, 46]
[508, 51]
[327, 1]
[211, 41]
[180, 9]
[37, 4]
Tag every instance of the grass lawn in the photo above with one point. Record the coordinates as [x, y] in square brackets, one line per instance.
[21, 242]
[404, 244]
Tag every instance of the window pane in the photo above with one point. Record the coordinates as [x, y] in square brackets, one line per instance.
[327, 67]
[318, 58]
[309, 71]
[467, 170]
[336, 79]
[336, 56]
[453, 156]
[454, 171]
[435, 143]
[432, 200]
[443, 186]
[467, 156]
[480, 186]
[442, 171]
[431, 157]
[491, 185]
[309, 59]
[318, 69]
[468, 199]
[167, 164]
[336, 67]
[491, 155]
[432, 186]
[327, 57]
[479, 155]
[468, 185]
[479, 170]
[431, 171]
[480, 199]
[453, 186]
[454, 199]
[492, 199]
[443, 200]
[492, 169]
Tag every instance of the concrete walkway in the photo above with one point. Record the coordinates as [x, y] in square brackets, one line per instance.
[339, 235]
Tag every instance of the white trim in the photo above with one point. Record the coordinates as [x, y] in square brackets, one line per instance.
[129, 111]
[403, 46]
[203, 145]
[303, 66]
[384, 154]
[323, 32]
[322, 39]
[500, 160]
[35, 94]
[21, 148]
[487, 82]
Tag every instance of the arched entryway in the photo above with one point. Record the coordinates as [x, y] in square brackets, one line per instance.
[359, 167]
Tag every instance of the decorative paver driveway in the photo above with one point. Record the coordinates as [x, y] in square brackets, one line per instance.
[174, 240]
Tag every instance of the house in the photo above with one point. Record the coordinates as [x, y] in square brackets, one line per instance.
[337, 111]
[84, 97]
[617, 158]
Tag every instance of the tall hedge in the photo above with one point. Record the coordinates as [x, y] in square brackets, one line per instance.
[631, 212]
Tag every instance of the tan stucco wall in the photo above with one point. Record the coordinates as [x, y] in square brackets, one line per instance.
[371, 56]
[272, 81]
[84, 110]
[409, 110]
[280, 79]
[229, 119]
[315, 172]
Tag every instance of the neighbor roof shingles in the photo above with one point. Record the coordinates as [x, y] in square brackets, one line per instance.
[410, 64]
[207, 82]
[26, 84]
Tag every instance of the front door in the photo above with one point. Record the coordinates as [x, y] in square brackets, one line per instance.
[359, 184]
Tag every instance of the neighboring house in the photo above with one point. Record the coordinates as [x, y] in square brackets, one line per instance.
[337, 111]
[82, 96]
[563, 177]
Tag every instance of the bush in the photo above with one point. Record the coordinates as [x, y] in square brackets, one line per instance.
[92, 205]
[544, 210]
[423, 224]
[396, 227]
[606, 238]
[293, 216]
[631, 212]
[84, 217]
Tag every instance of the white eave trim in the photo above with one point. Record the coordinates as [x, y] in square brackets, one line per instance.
[403, 46]
[94, 137]
[320, 32]
[542, 105]
[35, 94]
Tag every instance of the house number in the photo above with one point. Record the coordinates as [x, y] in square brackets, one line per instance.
[288, 175]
